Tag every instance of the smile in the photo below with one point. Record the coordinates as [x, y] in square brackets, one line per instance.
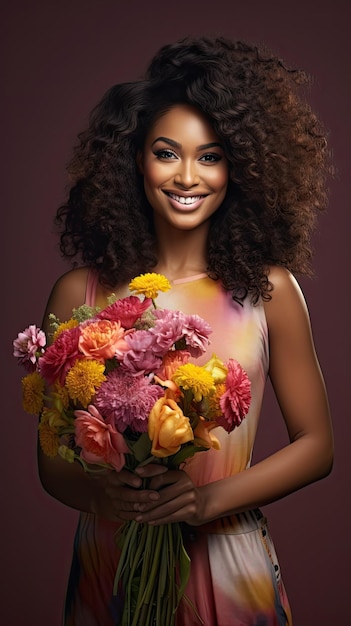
[185, 199]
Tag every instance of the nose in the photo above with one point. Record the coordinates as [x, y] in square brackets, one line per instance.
[186, 175]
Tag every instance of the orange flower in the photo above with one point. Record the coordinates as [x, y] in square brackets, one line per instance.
[168, 428]
[102, 340]
[203, 436]
[170, 363]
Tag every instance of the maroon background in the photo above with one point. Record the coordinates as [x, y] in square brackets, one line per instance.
[59, 59]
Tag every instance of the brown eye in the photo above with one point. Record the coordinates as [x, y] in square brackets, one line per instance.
[211, 157]
[165, 154]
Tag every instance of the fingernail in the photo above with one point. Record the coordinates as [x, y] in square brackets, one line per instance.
[154, 495]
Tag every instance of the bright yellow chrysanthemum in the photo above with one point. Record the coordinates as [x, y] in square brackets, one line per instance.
[149, 284]
[83, 379]
[195, 378]
[49, 439]
[33, 393]
[64, 326]
[214, 409]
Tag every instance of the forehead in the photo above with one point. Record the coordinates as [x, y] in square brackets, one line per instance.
[183, 123]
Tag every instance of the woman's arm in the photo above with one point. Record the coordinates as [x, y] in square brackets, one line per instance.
[299, 387]
[107, 494]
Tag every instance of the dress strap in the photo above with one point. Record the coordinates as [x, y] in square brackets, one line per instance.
[90, 292]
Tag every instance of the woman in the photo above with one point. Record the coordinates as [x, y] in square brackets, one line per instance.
[209, 171]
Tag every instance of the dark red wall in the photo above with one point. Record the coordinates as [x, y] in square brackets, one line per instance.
[59, 59]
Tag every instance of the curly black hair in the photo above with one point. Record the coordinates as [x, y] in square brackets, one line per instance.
[276, 148]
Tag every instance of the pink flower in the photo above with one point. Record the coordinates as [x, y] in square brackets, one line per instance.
[235, 401]
[126, 400]
[195, 331]
[126, 311]
[100, 442]
[60, 356]
[141, 356]
[28, 346]
[102, 340]
[167, 329]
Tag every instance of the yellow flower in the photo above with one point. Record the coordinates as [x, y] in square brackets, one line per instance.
[168, 428]
[53, 417]
[149, 284]
[66, 453]
[61, 396]
[83, 379]
[64, 326]
[49, 439]
[33, 393]
[214, 409]
[195, 378]
[217, 369]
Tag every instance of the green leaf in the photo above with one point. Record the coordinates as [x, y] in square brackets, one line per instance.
[185, 452]
[141, 448]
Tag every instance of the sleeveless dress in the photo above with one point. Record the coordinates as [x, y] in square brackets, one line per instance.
[235, 577]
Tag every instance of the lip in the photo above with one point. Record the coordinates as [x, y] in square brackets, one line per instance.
[185, 207]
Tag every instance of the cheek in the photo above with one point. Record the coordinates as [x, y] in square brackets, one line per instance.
[153, 174]
[219, 179]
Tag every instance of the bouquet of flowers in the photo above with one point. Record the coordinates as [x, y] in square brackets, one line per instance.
[116, 388]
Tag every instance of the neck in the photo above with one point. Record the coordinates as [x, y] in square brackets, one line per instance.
[181, 253]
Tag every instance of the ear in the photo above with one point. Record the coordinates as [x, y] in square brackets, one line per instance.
[139, 161]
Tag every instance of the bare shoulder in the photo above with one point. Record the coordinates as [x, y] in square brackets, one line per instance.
[67, 293]
[287, 300]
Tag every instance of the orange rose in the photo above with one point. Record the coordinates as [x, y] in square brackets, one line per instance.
[102, 340]
[203, 436]
[168, 428]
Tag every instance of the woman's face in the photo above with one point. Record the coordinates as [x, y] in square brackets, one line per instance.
[184, 167]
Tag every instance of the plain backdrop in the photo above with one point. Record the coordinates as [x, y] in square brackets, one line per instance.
[58, 59]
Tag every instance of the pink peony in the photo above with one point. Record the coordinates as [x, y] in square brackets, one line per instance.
[126, 400]
[195, 331]
[100, 442]
[235, 402]
[60, 356]
[141, 357]
[167, 330]
[126, 311]
[102, 340]
[28, 346]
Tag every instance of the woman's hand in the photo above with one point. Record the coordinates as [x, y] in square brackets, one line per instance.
[178, 498]
[118, 496]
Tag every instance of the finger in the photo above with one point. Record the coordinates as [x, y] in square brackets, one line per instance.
[124, 477]
[180, 480]
[178, 510]
[150, 470]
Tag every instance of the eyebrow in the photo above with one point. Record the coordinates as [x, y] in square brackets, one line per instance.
[175, 144]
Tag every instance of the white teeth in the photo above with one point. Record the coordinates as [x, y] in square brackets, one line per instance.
[184, 200]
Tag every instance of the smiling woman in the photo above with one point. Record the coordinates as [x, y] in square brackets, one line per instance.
[185, 170]
[210, 171]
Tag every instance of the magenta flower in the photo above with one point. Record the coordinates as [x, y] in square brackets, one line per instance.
[141, 356]
[167, 330]
[126, 400]
[28, 346]
[235, 402]
[60, 356]
[196, 331]
[100, 442]
[127, 311]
